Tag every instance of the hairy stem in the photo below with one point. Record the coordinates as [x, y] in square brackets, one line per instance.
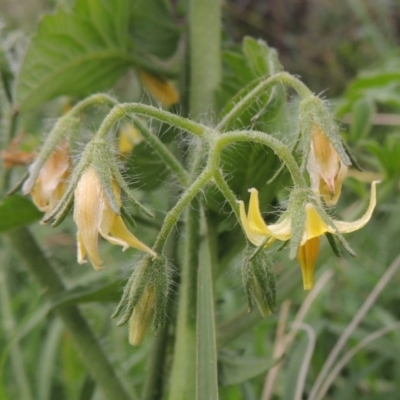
[174, 214]
[259, 137]
[279, 78]
[125, 109]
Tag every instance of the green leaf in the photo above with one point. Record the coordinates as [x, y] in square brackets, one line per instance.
[99, 292]
[237, 369]
[17, 211]
[363, 111]
[146, 168]
[75, 53]
[257, 53]
[153, 28]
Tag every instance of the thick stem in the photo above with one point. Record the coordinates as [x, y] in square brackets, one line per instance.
[86, 343]
[183, 374]
[205, 55]
[281, 77]
[260, 137]
[122, 110]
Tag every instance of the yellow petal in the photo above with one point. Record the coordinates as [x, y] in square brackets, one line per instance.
[129, 137]
[346, 227]
[314, 225]
[123, 237]
[280, 230]
[141, 317]
[89, 201]
[255, 236]
[329, 198]
[323, 159]
[307, 256]
[163, 91]
[254, 216]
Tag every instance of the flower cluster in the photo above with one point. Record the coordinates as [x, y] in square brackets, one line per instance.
[95, 192]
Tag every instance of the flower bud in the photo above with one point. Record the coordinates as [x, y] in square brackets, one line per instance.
[145, 297]
[142, 316]
[326, 169]
[51, 182]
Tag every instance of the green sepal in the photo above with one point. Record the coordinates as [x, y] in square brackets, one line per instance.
[333, 243]
[297, 204]
[328, 220]
[102, 160]
[161, 282]
[128, 217]
[259, 281]
[148, 274]
[134, 289]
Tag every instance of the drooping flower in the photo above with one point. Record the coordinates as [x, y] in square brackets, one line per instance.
[257, 231]
[327, 170]
[51, 182]
[164, 91]
[93, 215]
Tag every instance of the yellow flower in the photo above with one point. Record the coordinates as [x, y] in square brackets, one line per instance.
[326, 169]
[93, 216]
[258, 231]
[51, 182]
[129, 137]
[164, 91]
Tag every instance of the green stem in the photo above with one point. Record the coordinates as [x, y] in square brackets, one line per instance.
[260, 137]
[122, 110]
[174, 214]
[281, 77]
[183, 374]
[205, 54]
[153, 387]
[163, 152]
[227, 192]
[17, 360]
[88, 347]
[207, 358]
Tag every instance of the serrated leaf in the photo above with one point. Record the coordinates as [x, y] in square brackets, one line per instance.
[237, 369]
[17, 211]
[153, 27]
[257, 53]
[75, 53]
